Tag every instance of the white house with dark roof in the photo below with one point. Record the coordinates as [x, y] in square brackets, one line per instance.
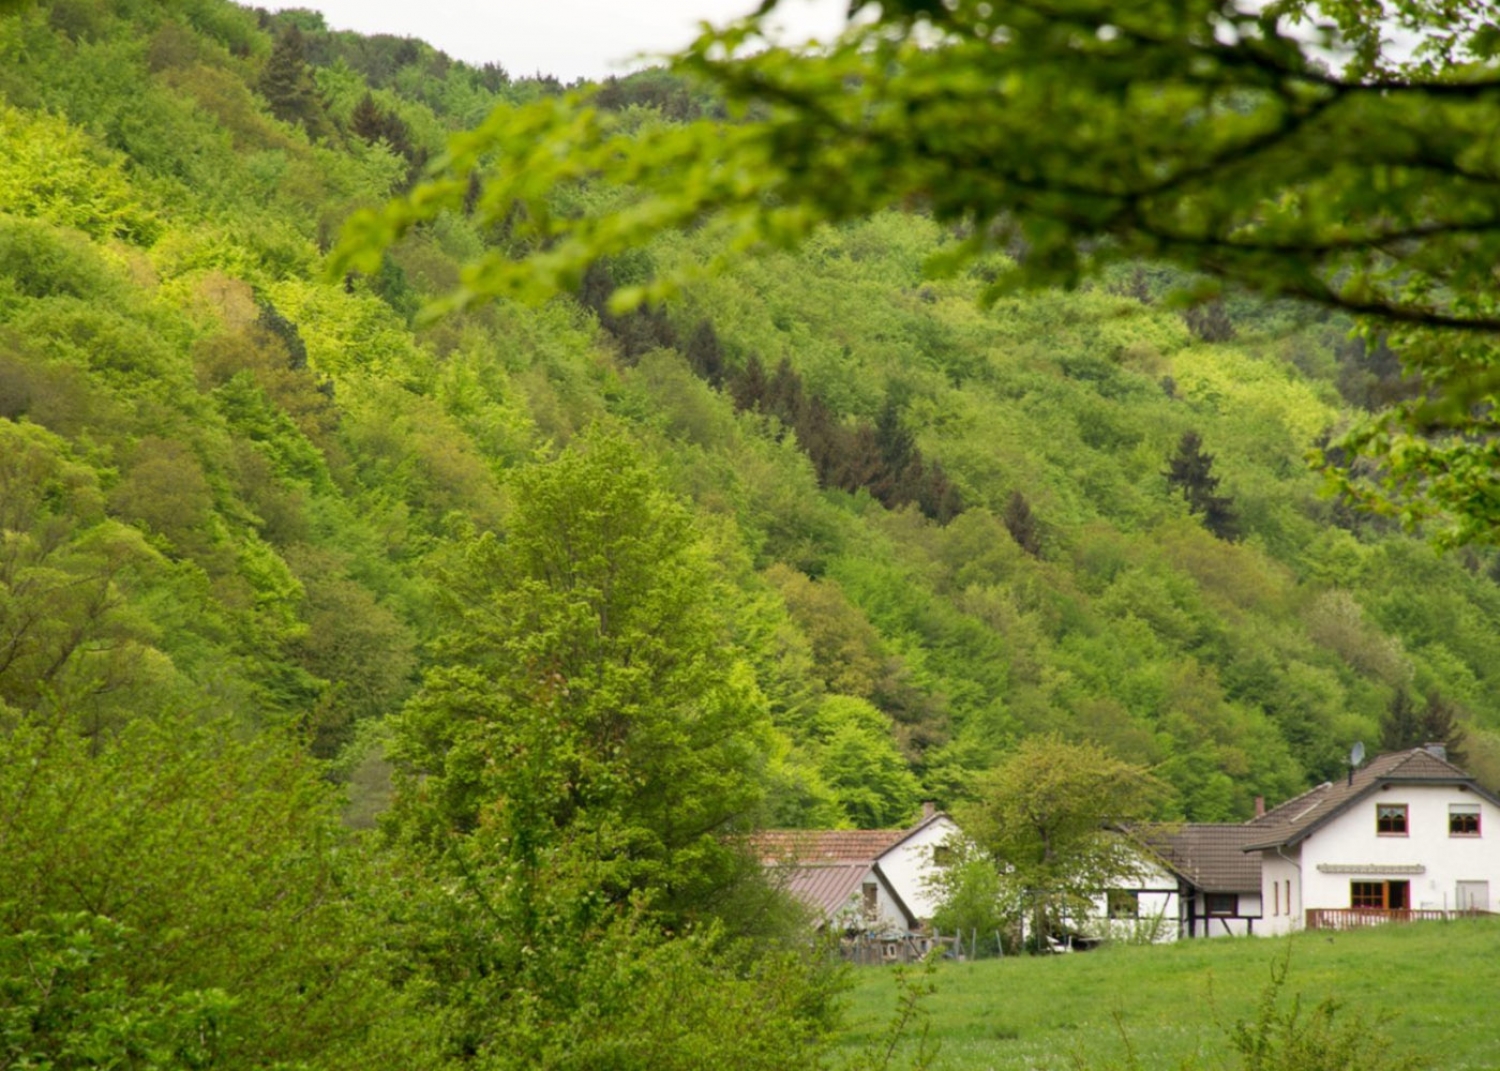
[860, 879]
[1407, 836]
[1217, 885]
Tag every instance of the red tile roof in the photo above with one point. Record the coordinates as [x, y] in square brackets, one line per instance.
[821, 846]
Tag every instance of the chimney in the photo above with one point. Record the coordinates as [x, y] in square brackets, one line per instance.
[928, 809]
[1260, 806]
[1437, 750]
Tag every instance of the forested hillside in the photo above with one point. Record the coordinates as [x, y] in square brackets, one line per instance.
[819, 540]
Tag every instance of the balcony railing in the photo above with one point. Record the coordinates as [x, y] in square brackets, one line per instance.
[1354, 918]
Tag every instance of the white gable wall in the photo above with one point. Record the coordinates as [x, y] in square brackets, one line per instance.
[887, 917]
[909, 864]
[1350, 849]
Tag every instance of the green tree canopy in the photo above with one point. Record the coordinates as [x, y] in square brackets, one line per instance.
[1047, 815]
[1055, 138]
[585, 705]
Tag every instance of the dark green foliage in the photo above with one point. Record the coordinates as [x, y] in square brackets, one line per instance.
[660, 90]
[1190, 471]
[705, 354]
[1022, 525]
[1209, 321]
[286, 84]
[376, 125]
[1437, 722]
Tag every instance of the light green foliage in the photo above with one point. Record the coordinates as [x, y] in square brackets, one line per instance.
[584, 700]
[173, 898]
[1044, 814]
[859, 763]
[61, 1005]
[973, 897]
[49, 170]
[1056, 127]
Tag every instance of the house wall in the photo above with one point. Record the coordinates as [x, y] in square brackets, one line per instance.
[1351, 840]
[1248, 917]
[888, 915]
[909, 864]
[1280, 892]
[1158, 912]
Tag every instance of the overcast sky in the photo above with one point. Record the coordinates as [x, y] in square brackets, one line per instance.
[566, 38]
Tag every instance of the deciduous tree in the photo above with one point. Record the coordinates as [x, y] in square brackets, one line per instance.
[1046, 814]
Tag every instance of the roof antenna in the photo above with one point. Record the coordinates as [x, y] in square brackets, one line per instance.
[1356, 756]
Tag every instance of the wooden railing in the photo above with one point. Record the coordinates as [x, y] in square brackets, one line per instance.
[1353, 918]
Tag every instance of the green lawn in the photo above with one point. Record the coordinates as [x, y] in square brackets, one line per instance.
[1440, 980]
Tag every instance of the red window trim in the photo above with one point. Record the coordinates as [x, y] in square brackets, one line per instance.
[1404, 831]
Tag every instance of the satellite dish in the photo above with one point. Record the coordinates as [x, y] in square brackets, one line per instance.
[1357, 753]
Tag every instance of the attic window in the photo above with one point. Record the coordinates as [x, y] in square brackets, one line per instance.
[942, 855]
[1390, 819]
[1463, 819]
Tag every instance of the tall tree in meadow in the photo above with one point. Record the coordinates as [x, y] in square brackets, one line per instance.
[585, 706]
[1046, 813]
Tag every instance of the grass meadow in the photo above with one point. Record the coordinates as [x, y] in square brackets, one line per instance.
[1432, 988]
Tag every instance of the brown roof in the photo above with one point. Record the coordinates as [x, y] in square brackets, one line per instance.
[825, 889]
[820, 846]
[781, 846]
[1297, 818]
[1210, 857]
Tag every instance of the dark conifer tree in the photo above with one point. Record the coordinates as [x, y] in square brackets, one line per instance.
[287, 84]
[1190, 471]
[1022, 524]
[1439, 724]
[1210, 322]
[271, 320]
[938, 498]
[705, 354]
[749, 387]
[594, 291]
[784, 394]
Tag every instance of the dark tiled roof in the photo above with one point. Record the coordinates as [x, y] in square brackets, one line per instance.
[1294, 820]
[1210, 857]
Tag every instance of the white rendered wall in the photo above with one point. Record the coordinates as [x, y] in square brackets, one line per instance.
[1351, 840]
[908, 865]
[1283, 907]
[1158, 912]
[888, 916]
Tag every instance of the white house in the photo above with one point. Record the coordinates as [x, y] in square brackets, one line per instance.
[1196, 880]
[1409, 835]
[1141, 906]
[864, 879]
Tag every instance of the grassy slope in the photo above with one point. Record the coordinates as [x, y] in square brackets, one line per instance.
[1176, 1001]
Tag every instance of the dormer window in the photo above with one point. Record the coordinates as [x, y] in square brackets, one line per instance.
[1390, 819]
